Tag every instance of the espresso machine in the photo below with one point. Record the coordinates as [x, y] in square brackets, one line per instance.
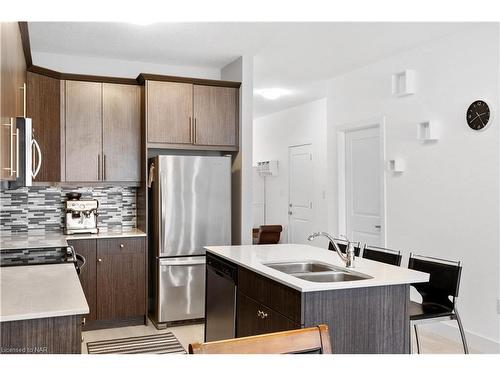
[81, 214]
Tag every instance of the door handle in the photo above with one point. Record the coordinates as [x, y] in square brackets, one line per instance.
[378, 226]
[290, 213]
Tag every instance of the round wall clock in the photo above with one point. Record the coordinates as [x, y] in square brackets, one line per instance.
[478, 115]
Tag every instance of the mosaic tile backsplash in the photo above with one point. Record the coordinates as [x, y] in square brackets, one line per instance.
[40, 209]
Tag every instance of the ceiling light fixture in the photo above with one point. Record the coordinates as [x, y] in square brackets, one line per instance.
[271, 93]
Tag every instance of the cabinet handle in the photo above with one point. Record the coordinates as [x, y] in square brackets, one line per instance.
[12, 135]
[99, 260]
[98, 167]
[24, 98]
[17, 153]
[121, 245]
[190, 130]
[104, 167]
[261, 314]
[194, 136]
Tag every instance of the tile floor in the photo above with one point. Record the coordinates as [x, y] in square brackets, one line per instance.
[429, 343]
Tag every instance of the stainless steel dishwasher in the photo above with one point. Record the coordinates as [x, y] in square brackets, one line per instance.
[220, 314]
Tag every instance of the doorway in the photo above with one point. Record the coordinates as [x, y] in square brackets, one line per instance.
[300, 204]
[362, 183]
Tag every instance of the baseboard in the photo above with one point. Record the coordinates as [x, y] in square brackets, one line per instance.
[476, 342]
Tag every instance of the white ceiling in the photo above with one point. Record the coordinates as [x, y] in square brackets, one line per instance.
[298, 57]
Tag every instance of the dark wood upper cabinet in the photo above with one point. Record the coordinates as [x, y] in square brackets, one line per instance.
[216, 115]
[102, 132]
[169, 107]
[83, 129]
[121, 126]
[43, 107]
[121, 278]
[191, 116]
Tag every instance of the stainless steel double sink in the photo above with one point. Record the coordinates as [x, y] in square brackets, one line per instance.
[316, 271]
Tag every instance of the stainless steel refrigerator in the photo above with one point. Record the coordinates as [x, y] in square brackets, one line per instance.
[191, 205]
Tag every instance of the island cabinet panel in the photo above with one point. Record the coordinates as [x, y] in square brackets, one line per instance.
[169, 110]
[56, 335]
[121, 270]
[371, 320]
[215, 116]
[279, 297]
[254, 318]
[88, 275]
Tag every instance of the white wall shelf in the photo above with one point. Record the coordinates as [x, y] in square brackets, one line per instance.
[427, 131]
[403, 83]
[397, 165]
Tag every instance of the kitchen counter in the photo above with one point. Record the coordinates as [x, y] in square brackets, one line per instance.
[252, 257]
[40, 291]
[29, 241]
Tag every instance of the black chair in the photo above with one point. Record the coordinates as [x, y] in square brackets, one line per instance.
[342, 244]
[436, 304]
[381, 254]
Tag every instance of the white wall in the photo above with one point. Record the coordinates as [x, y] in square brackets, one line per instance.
[117, 68]
[241, 70]
[446, 203]
[272, 136]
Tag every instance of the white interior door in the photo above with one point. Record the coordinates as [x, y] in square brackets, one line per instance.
[363, 186]
[300, 204]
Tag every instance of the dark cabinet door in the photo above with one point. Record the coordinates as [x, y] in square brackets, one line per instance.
[216, 116]
[121, 129]
[88, 277]
[43, 106]
[121, 278]
[83, 103]
[253, 318]
[169, 111]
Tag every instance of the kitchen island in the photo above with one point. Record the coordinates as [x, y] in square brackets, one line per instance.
[40, 309]
[366, 313]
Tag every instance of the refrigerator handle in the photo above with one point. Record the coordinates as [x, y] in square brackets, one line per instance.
[151, 176]
[192, 262]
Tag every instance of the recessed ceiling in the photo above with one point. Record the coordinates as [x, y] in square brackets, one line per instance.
[298, 57]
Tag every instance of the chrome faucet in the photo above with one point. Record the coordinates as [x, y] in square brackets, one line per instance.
[348, 258]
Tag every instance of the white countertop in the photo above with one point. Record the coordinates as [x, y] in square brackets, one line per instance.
[252, 257]
[40, 291]
[28, 241]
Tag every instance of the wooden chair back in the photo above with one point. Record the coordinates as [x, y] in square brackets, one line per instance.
[269, 234]
[300, 341]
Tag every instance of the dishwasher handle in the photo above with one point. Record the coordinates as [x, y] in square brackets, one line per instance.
[222, 269]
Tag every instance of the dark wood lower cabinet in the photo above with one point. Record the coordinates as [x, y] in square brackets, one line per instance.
[88, 278]
[121, 275]
[114, 281]
[255, 318]
[57, 335]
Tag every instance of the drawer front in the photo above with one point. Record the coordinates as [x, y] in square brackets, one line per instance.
[254, 318]
[285, 300]
[125, 245]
